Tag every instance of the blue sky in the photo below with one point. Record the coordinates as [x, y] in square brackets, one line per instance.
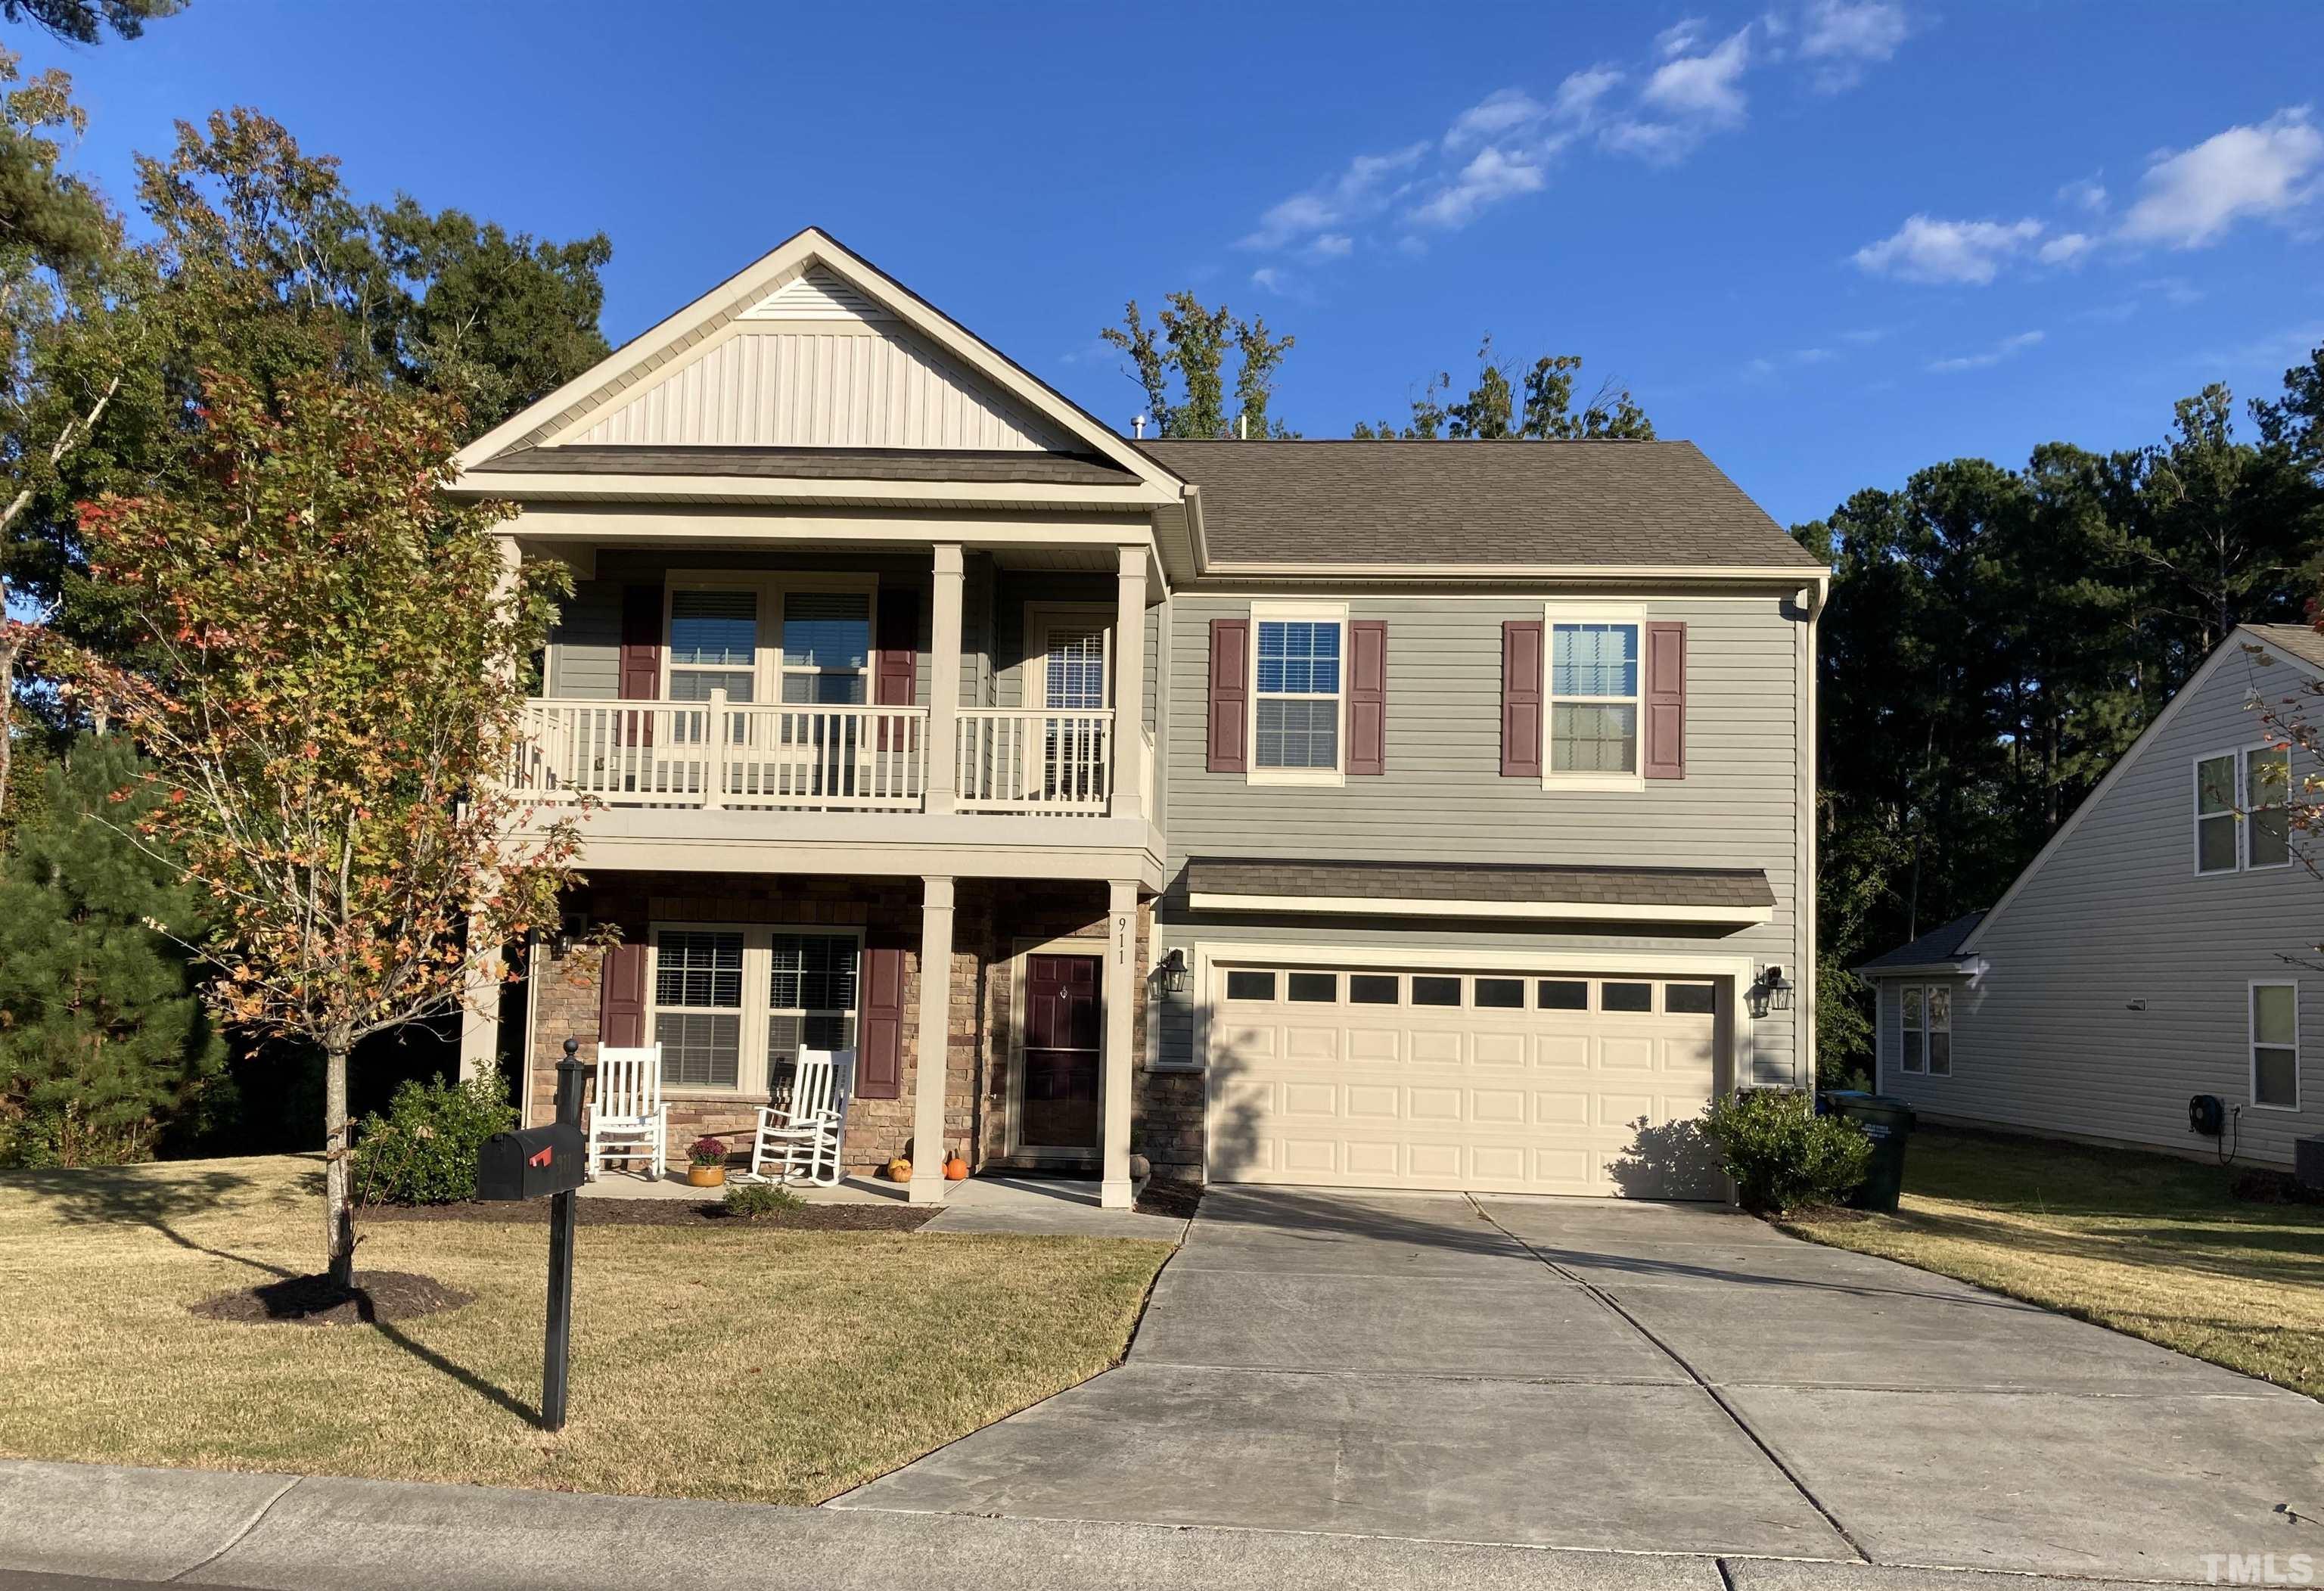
[1830, 241]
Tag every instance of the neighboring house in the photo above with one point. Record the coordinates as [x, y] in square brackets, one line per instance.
[2161, 946]
[1397, 815]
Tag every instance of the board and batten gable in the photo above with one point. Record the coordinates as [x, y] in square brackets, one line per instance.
[1442, 797]
[2113, 982]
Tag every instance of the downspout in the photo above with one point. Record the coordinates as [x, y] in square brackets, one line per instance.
[1812, 600]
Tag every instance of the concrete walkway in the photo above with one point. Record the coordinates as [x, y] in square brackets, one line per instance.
[1633, 1378]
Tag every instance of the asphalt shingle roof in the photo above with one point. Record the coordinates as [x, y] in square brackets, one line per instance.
[1941, 944]
[1505, 882]
[1544, 504]
[2299, 640]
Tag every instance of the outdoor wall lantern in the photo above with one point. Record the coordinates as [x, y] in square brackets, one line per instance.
[1773, 991]
[1175, 977]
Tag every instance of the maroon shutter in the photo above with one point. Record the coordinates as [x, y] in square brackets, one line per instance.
[640, 642]
[899, 642]
[1662, 753]
[1367, 697]
[1521, 661]
[879, 1047]
[1230, 696]
[622, 997]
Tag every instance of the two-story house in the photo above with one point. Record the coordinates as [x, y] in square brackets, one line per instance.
[1367, 814]
[2161, 946]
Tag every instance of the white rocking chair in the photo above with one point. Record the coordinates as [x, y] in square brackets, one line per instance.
[627, 1120]
[801, 1140]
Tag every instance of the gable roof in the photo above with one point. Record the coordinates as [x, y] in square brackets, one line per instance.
[2296, 642]
[1939, 944]
[1320, 505]
[809, 274]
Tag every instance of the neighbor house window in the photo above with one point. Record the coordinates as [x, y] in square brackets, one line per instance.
[713, 644]
[1593, 691]
[810, 994]
[1928, 1030]
[1296, 692]
[2243, 809]
[2275, 1046]
[697, 1017]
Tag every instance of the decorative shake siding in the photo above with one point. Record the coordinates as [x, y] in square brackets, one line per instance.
[1442, 797]
[2044, 1038]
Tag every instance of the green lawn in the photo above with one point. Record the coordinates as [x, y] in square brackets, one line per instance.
[2146, 1243]
[730, 1362]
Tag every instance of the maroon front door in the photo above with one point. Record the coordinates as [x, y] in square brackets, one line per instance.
[1057, 1108]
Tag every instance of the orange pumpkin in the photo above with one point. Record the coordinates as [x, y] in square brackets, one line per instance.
[899, 1170]
[956, 1168]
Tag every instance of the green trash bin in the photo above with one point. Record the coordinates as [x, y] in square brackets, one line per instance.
[1888, 1123]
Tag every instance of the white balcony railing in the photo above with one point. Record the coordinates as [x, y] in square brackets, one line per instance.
[1035, 759]
[717, 753]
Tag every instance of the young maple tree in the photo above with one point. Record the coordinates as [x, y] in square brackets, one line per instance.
[328, 681]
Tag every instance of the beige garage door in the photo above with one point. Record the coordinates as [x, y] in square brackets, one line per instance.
[1487, 1082]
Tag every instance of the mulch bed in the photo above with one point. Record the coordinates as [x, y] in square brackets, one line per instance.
[668, 1212]
[2264, 1187]
[317, 1300]
[1178, 1200]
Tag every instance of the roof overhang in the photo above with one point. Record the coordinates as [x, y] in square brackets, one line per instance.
[1506, 911]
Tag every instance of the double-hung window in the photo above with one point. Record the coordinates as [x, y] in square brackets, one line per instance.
[2243, 809]
[2275, 1045]
[1927, 1038]
[708, 977]
[1296, 693]
[1594, 672]
[827, 647]
[714, 643]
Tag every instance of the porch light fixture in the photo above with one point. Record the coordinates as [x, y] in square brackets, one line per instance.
[1773, 991]
[1173, 974]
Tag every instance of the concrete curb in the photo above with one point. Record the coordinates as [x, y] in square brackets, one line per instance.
[273, 1532]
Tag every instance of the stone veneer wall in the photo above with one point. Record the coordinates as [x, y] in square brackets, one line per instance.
[989, 918]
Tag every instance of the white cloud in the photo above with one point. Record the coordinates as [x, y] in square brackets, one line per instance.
[2008, 347]
[2085, 193]
[1926, 249]
[2066, 248]
[1368, 184]
[1680, 37]
[1848, 37]
[1497, 114]
[1269, 278]
[1493, 176]
[2187, 199]
[1331, 246]
[1658, 143]
[1708, 85]
[1577, 96]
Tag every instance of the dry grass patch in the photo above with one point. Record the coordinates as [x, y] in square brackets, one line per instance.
[717, 1360]
[2145, 1243]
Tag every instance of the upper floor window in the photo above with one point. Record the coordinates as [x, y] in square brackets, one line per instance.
[714, 643]
[2243, 815]
[826, 646]
[1296, 691]
[1593, 691]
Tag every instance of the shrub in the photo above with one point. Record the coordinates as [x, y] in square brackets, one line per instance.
[1781, 1153]
[424, 1150]
[747, 1201]
[709, 1151]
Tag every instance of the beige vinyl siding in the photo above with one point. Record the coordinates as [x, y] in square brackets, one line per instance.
[1442, 797]
[821, 384]
[2044, 1038]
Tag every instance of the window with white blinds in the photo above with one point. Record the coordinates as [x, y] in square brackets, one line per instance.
[811, 984]
[827, 647]
[699, 1007]
[713, 644]
[711, 980]
[1074, 671]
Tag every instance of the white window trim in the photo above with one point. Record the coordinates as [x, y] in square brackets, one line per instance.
[1925, 1027]
[2251, 1041]
[751, 1066]
[2240, 810]
[1554, 613]
[1296, 611]
[771, 587]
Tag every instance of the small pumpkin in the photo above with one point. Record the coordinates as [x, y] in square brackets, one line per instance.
[899, 1170]
[956, 1168]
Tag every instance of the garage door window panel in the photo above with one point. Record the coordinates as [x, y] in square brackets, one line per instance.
[1436, 991]
[1372, 988]
[1563, 994]
[1250, 985]
[1314, 988]
[1626, 996]
[1500, 994]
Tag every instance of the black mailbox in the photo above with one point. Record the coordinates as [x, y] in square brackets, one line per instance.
[531, 1163]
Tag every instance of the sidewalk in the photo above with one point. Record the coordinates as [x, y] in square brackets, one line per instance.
[270, 1533]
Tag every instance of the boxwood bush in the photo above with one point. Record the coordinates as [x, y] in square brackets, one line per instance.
[424, 1150]
[1781, 1153]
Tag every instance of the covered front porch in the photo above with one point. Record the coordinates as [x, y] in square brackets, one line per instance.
[1003, 1018]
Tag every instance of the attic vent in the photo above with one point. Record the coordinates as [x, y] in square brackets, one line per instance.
[817, 295]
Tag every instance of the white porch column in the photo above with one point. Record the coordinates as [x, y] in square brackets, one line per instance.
[932, 1051]
[480, 1016]
[1118, 1083]
[943, 687]
[1129, 684]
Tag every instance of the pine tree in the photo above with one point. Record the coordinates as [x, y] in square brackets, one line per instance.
[102, 1043]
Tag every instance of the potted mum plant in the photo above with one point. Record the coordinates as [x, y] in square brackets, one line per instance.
[709, 1166]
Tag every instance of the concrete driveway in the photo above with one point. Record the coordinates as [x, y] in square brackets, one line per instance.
[1637, 1378]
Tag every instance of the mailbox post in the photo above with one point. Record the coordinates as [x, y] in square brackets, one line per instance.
[547, 1162]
